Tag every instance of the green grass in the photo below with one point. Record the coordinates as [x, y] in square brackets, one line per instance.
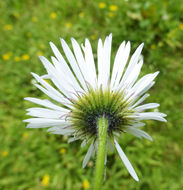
[26, 155]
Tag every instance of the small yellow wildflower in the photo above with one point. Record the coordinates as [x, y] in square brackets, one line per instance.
[25, 57]
[111, 15]
[39, 53]
[46, 180]
[16, 15]
[160, 44]
[113, 7]
[28, 34]
[34, 19]
[16, 58]
[86, 184]
[68, 25]
[181, 26]
[42, 46]
[53, 15]
[4, 153]
[93, 36]
[6, 56]
[101, 5]
[153, 47]
[62, 151]
[68, 164]
[25, 135]
[8, 27]
[81, 14]
[90, 164]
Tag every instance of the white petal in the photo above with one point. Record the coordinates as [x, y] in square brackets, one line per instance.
[42, 122]
[104, 61]
[150, 115]
[55, 76]
[132, 77]
[117, 62]
[51, 95]
[126, 161]
[49, 87]
[139, 124]
[73, 63]
[80, 59]
[100, 62]
[90, 63]
[88, 155]
[138, 133]
[72, 139]
[143, 84]
[61, 130]
[65, 81]
[140, 100]
[121, 60]
[147, 106]
[45, 103]
[46, 113]
[107, 58]
[133, 61]
[63, 66]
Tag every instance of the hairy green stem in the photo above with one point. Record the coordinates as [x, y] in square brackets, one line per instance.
[102, 135]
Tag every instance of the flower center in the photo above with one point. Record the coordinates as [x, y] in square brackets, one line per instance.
[98, 103]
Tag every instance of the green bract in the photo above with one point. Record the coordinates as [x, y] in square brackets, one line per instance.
[94, 104]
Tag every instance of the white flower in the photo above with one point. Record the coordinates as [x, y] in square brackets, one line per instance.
[83, 91]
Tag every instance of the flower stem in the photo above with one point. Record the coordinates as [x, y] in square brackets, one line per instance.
[102, 134]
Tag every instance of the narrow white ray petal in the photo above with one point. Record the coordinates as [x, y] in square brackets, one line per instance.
[64, 132]
[110, 146]
[58, 128]
[64, 80]
[55, 76]
[147, 106]
[133, 61]
[80, 59]
[144, 90]
[85, 142]
[50, 94]
[90, 63]
[132, 77]
[139, 124]
[43, 122]
[107, 59]
[45, 76]
[117, 61]
[126, 161]
[138, 133]
[45, 103]
[88, 155]
[149, 115]
[100, 62]
[140, 100]
[46, 113]
[143, 83]
[104, 52]
[73, 63]
[72, 139]
[64, 66]
[122, 58]
[60, 131]
[138, 94]
[47, 86]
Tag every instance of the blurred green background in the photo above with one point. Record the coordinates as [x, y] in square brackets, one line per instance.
[33, 159]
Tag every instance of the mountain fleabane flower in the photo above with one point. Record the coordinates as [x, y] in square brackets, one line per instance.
[84, 91]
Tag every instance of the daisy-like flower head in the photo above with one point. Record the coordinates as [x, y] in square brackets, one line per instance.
[82, 92]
